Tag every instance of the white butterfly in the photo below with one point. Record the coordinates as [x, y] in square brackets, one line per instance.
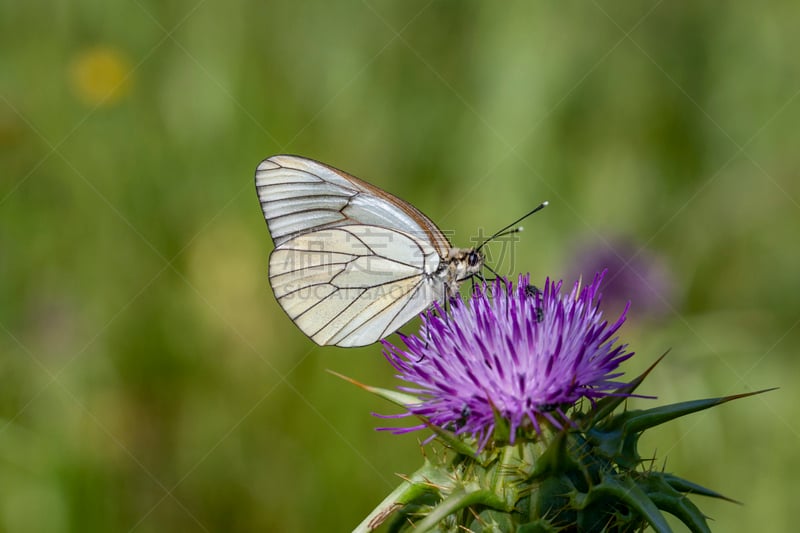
[352, 263]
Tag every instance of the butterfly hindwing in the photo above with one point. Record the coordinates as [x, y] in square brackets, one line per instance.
[353, 284]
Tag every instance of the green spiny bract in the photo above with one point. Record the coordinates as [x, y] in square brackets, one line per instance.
[587, 477]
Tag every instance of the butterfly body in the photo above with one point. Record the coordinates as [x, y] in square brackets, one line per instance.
[352, 263]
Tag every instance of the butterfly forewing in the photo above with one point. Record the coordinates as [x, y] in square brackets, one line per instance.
[299, 195]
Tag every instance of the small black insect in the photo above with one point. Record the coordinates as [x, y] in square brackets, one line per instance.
[461, 421]
[533, 291]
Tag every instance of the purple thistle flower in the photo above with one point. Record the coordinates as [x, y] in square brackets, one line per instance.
[529, 355]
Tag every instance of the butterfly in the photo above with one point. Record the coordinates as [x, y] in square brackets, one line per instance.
[353, 263]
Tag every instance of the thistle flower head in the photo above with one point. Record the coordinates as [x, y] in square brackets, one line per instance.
[515, 352]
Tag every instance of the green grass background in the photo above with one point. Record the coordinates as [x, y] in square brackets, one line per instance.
[150, 382]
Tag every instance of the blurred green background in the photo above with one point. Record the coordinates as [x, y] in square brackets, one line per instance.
[149, 380]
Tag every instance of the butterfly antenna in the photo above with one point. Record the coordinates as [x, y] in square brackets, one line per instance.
[509, 232]
[505, 231]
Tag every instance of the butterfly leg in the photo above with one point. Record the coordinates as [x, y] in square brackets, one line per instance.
[432, 311]
[501, 278]
[427, 340]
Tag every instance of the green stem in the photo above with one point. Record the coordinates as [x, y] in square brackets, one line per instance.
[422, 481]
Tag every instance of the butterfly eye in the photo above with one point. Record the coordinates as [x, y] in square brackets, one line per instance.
[473, 258]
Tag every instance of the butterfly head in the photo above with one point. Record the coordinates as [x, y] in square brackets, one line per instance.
[465, 262]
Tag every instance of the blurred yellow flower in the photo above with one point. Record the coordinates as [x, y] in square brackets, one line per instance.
[100, 76]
